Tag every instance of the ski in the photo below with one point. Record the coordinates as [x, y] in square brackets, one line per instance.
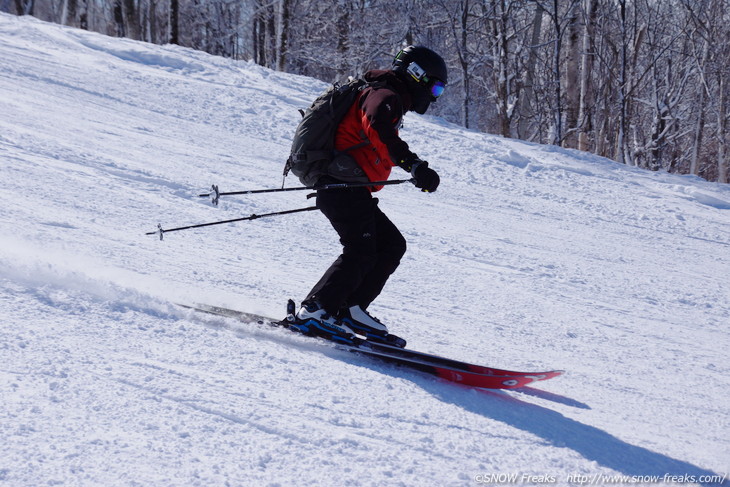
[451, 374]
[465, 366]
[463, 373]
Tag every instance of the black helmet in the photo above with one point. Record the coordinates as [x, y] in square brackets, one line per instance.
[425, 73]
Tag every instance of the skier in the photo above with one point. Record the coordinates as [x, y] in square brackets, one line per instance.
[367, 142]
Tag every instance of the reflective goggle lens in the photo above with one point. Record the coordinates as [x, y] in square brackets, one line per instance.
[437, 88]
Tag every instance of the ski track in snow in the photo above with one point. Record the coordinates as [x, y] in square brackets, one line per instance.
[528, 257]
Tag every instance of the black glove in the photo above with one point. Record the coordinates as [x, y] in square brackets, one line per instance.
[426, 178]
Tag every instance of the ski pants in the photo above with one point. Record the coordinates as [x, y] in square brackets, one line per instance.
[372, 248]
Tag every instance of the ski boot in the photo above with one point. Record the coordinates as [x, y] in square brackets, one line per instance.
[365, 324]
[311, 319]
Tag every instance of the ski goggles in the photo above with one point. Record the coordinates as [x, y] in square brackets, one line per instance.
[437, 88]
[435, 85]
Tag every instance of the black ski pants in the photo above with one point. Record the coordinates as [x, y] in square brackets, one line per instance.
[372, 248]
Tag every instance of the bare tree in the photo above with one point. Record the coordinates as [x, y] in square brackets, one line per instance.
[709, 37]
[560, 15]
[572, 77]
[585, 117]
[174, 22]
[528, 100]
[282, 37]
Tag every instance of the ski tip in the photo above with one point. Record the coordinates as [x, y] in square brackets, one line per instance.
[517, 382]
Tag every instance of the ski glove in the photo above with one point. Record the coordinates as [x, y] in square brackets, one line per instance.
[426, 178]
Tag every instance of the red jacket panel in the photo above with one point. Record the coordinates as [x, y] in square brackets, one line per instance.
[375, 117]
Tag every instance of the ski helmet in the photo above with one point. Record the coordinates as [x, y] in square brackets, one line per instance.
[425, 73]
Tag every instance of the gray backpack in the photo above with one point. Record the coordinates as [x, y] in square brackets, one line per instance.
[313, 153]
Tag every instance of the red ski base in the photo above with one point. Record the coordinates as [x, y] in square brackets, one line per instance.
[454, 371]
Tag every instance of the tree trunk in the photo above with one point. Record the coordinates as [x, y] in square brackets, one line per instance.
[585, 119]
[527, 101]
[119, 30]
[343, 38]
[501, 82]
[572, 82]
[283, 37]
[722, 163]
[131, 19]
[174, 22]
[623, 80]
[694, 165]
[83, 10]
[557, 107]
[259, 33]
[463, 49]
[64, 13]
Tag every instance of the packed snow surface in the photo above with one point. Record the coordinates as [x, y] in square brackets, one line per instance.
[528, 257]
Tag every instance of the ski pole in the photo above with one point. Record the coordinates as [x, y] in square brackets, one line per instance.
[161, 231]
[215, 194]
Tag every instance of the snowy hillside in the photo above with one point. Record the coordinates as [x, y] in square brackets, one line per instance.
[528, 257]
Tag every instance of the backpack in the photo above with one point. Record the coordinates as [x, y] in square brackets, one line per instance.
[313, 147]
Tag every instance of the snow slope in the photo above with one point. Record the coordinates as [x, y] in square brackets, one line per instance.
[528, 257]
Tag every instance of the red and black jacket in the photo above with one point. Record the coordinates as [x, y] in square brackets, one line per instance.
[375, 118]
